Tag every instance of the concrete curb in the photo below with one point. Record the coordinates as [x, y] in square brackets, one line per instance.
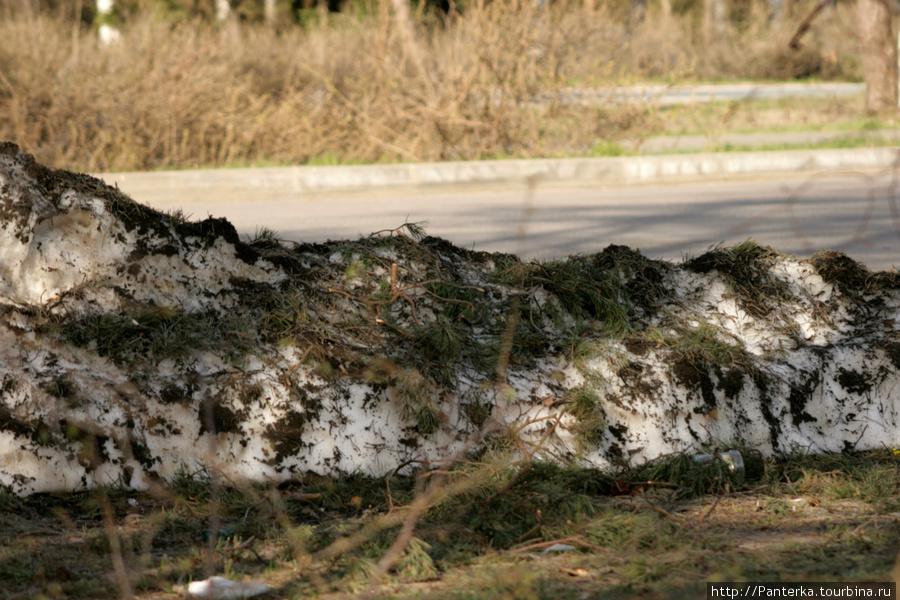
[292, 183]
[756, 142]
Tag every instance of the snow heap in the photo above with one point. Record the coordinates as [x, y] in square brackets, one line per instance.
[135, 344]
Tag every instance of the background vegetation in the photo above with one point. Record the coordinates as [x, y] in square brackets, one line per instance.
[487, 80]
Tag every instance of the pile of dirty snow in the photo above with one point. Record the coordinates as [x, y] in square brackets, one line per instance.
[136, 344]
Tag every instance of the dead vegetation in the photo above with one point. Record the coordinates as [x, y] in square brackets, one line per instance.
[656, 532]
[495, 80]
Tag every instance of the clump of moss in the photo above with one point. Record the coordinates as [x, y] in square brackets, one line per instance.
[690, 477]
[418, 400]
[155, 333]
[746, 269]
[586, 289]
[587, 407]
[645, 278]
[702, 343]
[851, 276]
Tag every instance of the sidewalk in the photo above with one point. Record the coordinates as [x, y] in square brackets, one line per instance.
[304, 183]
[672, 95]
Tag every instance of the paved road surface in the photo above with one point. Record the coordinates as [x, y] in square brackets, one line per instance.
[668, 95]
[854, 213]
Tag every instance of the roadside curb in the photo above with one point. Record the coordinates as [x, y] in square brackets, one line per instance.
[292, 183]
[757, 142]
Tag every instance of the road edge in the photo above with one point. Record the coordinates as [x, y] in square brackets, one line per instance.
[300, 181]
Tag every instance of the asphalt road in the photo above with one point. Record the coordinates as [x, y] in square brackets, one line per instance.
[668, 95]
[856, 213]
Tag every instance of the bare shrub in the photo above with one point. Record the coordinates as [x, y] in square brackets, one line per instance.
[750, 48]
[493, 82]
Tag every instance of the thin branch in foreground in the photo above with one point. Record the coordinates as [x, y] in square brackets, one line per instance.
[395, 552]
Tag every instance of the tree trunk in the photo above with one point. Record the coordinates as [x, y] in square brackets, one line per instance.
[223, 10]
[666, 8]
[269, 11]
[106, 29]
[776, 13]
[406, 30]
[637, 10]
[879, 55]
[714, 12]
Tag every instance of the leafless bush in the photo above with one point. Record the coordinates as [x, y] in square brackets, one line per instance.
[489, 83]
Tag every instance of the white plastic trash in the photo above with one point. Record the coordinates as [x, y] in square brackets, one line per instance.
[732, 458]
[220, 588]
[557, 548]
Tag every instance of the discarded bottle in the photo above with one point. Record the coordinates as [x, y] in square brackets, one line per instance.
[732, 458]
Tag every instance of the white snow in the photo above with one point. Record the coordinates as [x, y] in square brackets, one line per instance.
[819, 372]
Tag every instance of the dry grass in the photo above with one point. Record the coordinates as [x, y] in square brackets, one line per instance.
[474, 531]
[350, 89]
